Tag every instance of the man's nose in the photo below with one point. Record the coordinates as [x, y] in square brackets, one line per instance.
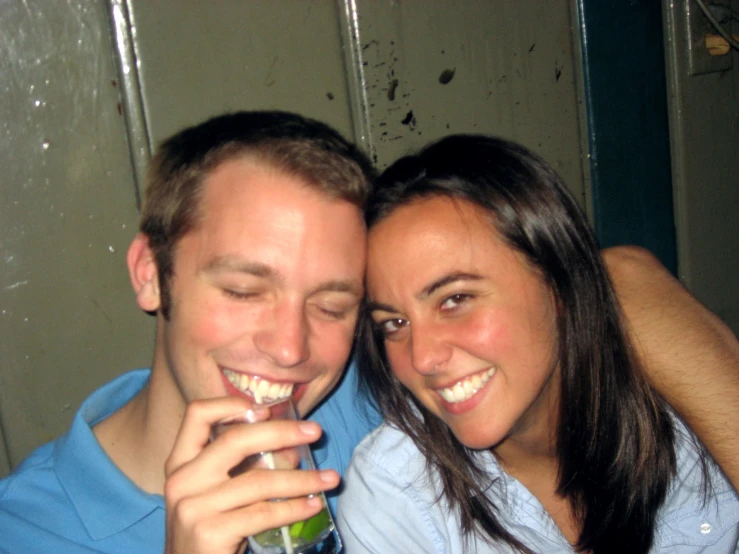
[284, 339]
[429, 350]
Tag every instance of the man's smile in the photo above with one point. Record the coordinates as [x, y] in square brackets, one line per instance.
[262, 390]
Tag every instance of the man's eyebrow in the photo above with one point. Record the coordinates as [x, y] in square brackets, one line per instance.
[228, 263]
[428, 290]
[264, 271]
[348, 285]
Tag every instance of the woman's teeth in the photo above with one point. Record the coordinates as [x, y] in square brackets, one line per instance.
[466, 389]
[262, 390]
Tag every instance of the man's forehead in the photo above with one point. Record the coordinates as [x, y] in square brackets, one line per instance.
[247, 173]
[248, 203]
[312, 176]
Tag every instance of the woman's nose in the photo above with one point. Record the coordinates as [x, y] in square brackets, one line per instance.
[428, 348]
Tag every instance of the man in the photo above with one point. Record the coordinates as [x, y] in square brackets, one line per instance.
[251, 254]
[251, 257]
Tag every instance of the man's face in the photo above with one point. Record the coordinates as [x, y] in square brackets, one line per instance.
[265, 290]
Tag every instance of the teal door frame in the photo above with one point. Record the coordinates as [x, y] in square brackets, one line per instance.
[627, 118]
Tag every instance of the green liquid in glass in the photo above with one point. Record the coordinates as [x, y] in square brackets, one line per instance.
[301, 532]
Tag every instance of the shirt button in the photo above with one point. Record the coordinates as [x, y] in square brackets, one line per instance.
[705, 528]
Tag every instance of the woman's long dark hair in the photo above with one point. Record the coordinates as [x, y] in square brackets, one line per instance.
[615, 440]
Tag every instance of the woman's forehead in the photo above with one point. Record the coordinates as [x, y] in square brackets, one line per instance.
[429, 238]
[438, 219]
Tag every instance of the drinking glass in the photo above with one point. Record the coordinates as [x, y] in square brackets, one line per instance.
[316, 535]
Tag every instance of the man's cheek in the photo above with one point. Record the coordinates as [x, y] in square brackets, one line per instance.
[218, 323]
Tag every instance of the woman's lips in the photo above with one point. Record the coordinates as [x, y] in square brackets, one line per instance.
[466, 388]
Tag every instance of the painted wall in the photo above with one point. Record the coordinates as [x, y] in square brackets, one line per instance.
[68, 320]
[88, 87]
[704, 130]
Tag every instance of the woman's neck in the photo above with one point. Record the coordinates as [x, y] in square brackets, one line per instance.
[531, 445]
[529, 454]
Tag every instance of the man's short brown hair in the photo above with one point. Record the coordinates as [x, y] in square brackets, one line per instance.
[298, 146]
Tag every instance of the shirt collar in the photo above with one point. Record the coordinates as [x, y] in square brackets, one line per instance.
[106, 501]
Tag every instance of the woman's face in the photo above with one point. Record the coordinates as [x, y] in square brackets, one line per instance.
[469, 327]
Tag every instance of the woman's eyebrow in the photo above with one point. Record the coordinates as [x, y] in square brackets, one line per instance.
[428, 290]
[370, 307]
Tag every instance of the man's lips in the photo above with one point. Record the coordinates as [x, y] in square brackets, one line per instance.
[262, 390]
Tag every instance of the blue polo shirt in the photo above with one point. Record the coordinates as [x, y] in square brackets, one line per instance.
[68, 496]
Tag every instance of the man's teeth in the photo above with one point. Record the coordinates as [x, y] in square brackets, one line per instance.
[262, 390]
[466, 389]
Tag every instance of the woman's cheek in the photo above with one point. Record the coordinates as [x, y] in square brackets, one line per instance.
[399, 360]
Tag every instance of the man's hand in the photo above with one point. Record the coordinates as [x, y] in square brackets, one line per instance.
[210, 512]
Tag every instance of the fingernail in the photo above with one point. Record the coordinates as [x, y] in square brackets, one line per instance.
[314, 502]
[256, 413]
[308, 428]
[327, 476]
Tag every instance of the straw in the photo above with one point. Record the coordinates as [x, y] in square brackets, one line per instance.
[285, 530]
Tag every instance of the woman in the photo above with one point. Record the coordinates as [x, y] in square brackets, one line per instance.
[495, 348]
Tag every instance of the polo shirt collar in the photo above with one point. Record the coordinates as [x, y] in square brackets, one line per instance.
[106, 501]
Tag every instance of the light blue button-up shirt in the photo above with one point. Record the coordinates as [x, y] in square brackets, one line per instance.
[390, 505]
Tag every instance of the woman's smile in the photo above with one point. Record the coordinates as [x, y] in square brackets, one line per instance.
[465, 389]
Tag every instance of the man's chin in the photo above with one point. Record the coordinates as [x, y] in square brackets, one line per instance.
[309, 396]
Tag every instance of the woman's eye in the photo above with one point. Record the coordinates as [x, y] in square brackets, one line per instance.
[454, 301]
[390, 326]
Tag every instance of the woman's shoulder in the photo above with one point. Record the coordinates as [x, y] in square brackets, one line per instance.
[389, 450]
[697, 511]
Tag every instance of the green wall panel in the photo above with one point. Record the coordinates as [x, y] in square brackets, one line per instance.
[626, 96]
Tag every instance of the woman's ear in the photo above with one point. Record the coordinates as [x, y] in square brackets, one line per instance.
[142, 269]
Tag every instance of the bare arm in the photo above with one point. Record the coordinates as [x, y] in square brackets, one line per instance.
[691, 356]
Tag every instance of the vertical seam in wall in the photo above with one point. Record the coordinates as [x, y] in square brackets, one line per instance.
[352, 46]
[582, 114]
[5, 447]
[137, 132]
[673, 42]
[589, 139]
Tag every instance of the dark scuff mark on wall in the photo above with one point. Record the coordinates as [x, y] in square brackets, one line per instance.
[268, 80]
[391, 89]
[409, 120]
[446, 76]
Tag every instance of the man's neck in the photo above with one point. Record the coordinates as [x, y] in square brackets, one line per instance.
[137, 441]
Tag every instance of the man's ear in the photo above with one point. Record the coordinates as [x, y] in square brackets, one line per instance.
[142, 269]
